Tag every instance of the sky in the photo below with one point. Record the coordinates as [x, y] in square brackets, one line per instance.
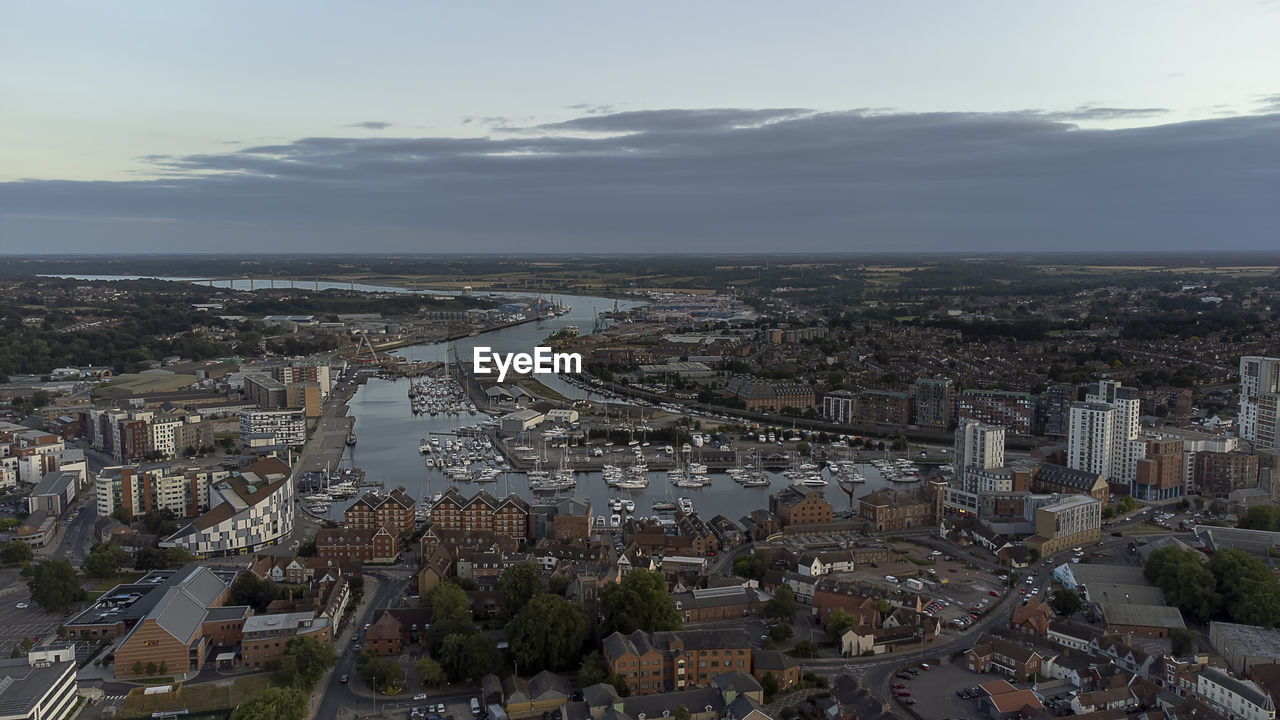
[672, 127]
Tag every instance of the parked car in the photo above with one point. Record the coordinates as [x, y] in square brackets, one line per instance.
[419, 696]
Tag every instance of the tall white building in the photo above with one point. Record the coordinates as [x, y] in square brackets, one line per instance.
[1259, 400]
[259, 428]
[977, 446]
[1102, 433]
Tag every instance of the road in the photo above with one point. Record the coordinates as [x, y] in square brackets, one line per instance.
[338, 695]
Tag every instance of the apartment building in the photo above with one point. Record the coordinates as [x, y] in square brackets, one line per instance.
[1158, 472]
[1259, 401]
[888, 510]
[796, 506]
[508, 516]
[130, 435]
[182, 490]
[838, 406]
[263, 428]
[760, 394]
[374, 509]
[1089, 438]
[1102, 436]
[933, 403]
[379, 545]
[674, 661]
[1218, 474]
[27, 455]
[1058, 479]
[1007, 409]
[977, 446]
[247, 512]
[1071, 521]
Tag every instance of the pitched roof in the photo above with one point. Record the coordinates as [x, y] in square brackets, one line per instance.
[179, 614]
[1018, 700]
[1244, 688]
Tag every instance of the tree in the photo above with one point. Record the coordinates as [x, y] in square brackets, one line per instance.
[308, 548]
[682, 713]
[804, 649]
[470, 657]
[547, 633]
[883, 607]
[1249, 591]
[379, 673]
[838, 622]
[432, 674]
[1183, 641]
[54, 585]
[1217, 507]
[305, 660]
[783, 604]
[769, 684]
[639, 602]
[558, 585]
[16, 552]
[1066, 601]
[161, 558]
[138, 668]
[1187, 583]
[781, 632]
[104, 560]
[274, 703]
[1261, 517]
[160, 522]
[450, 615]
[619, 684]
[593, 670]
[122, 515]
[751, 566]
[519, 584]
[152, 668]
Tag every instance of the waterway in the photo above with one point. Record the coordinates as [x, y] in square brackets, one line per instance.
[389, 434]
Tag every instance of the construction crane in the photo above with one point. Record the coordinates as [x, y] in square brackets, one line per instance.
[373, 354]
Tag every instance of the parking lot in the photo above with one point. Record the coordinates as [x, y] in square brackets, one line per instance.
[17, 623]
[935, 692]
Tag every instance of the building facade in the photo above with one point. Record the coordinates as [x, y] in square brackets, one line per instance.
[1259, 401]
[247, 512]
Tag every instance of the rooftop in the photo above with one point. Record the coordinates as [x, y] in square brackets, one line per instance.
[1141, 615]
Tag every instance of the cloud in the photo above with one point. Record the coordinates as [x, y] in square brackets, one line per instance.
[1090, 112]
[371, 125]
[704, 180]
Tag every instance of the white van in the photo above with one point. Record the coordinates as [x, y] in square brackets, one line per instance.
[891, 579]
[475, 706]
